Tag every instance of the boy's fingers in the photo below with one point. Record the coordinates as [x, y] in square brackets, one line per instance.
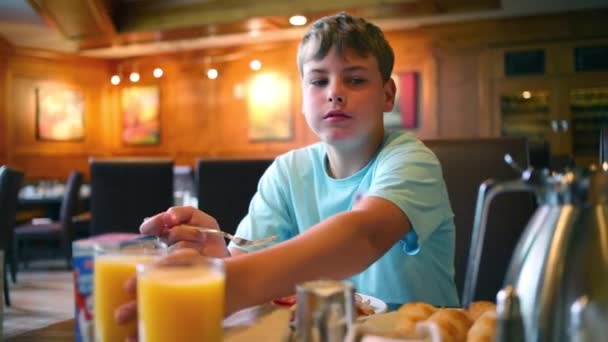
[131, 284]
[181, 233]
[126, 313]
[152, 225]
[179, 256]
[181, 245]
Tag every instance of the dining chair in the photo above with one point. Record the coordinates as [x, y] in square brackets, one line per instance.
[10, 183]
[466, 163]
[31, 236]
[124, 191]
[225, 188]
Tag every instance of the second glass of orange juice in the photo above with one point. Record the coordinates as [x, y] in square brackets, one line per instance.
[181, 301]
[113, 266]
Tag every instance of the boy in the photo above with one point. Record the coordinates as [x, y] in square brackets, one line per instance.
[362, 203]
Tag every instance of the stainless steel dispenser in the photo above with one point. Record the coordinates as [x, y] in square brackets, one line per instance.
[557, 281]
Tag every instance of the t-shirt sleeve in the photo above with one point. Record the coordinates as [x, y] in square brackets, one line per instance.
[268, 212]
[412, 179]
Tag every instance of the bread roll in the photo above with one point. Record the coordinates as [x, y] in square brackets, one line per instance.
[453, 324]
[411, 313]
[476, 309]
[484, 328]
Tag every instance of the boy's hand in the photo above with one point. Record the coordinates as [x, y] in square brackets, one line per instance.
[166, 225]
[128, 312]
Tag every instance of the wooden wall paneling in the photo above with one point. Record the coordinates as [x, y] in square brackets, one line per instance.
[4, 51]
[231, 117]
[5, 46]
[522, 30]
[29, 70]
[458, 90]
[234, 80]
[414, 52]
[195, 110]
[484, 93]
[459, 64]
[24, 119]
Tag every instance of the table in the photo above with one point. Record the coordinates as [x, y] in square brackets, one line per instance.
[261, 323]
[48, 201]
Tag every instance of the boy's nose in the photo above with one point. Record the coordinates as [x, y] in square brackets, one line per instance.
[336, 98]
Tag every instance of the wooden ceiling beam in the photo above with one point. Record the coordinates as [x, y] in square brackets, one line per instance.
[77, 20]
[102, 11]
[150, 15]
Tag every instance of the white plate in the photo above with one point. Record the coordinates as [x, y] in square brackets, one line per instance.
[378, 305]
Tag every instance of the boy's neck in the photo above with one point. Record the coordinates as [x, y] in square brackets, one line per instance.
[343, 162]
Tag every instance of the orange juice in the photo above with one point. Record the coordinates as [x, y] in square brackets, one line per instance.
[109, 276]
[180, 303]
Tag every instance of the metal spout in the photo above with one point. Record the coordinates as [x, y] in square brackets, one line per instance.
[578, 330]
[509, 323]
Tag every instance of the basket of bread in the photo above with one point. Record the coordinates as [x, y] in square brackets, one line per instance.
[418, 321]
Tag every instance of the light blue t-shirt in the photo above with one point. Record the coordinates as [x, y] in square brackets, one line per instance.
[295, 193]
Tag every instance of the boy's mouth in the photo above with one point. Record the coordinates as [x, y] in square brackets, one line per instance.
[335, 114]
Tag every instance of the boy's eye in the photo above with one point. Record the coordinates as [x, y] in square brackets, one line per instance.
[318, 82]
[356, 80]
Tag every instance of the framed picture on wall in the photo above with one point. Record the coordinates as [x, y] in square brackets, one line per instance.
[140, 115]
[269, 107]
[405, 112]
[59, 113]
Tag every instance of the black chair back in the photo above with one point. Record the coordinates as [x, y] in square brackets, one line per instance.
[225, 188]
[10, 183]
[466, 163]
[69, 205]
[124, 191]
[47, 234]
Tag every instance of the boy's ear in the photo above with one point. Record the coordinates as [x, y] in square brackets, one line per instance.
[390, 90]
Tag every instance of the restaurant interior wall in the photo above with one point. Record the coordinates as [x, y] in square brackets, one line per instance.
[207, 118]
[4, 50]
[28, 70]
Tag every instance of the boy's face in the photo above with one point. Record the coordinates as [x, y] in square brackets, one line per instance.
[343, 98]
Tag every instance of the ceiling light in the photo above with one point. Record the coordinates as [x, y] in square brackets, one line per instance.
[297, 20]
[212, 74]
[526, 94]
[255, 33]
[134, 77]
[115, 80]
[255, 65]
[158, 72]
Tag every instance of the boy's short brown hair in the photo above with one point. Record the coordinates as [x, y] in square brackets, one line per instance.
[343, 32]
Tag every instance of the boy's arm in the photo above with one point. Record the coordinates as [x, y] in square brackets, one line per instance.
[337, 247]
[235, 251]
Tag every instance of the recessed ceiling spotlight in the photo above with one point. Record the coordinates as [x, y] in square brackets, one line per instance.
[158, 72]
[255, 65]
[134, 77]
[212, 74]
[115, 80]
[255, 33]
[297, 20]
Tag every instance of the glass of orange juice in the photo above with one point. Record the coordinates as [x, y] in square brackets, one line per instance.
[113, 265]
[181, 300]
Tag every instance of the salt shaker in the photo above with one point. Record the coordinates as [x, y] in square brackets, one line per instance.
[325, 311]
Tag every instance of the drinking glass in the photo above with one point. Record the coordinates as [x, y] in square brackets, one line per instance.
[113, 265]
[181, 300]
